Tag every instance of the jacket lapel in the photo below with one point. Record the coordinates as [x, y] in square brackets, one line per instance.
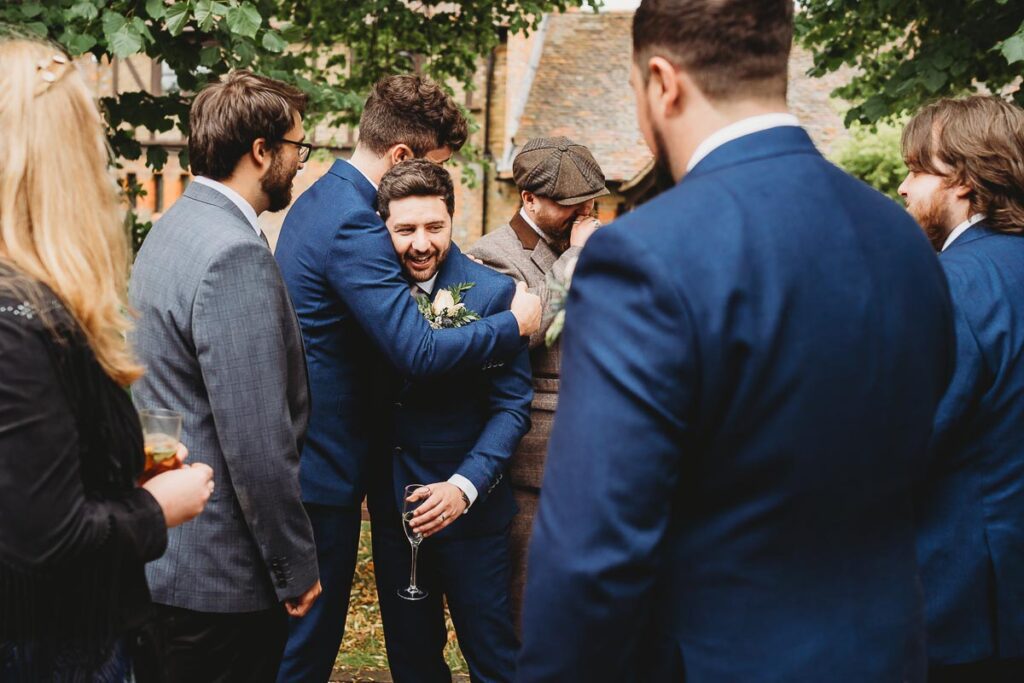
[540, 252]
[451, 271]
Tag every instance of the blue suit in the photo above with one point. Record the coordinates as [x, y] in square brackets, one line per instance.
[356, 314]
[751, 364]
[971, 543]
[468, 423]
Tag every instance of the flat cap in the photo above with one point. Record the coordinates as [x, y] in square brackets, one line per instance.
[559, 169]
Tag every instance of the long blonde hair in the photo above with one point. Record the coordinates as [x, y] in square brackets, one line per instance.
[61, 218]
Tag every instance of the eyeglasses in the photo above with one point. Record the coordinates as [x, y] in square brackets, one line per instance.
[305, 149]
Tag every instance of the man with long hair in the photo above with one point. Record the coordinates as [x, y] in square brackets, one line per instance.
[751, 364]
[966, 189]
[221, 345]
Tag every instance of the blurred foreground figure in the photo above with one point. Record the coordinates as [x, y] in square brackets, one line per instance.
[752, 361]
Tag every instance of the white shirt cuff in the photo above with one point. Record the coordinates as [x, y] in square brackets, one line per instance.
[467, 487]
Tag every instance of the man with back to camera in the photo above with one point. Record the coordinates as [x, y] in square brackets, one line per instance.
[751, 364]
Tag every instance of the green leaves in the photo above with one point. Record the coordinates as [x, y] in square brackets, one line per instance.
[244, 20]
[1013, 47]
[904, 54]
[124, 38]
[177, 16]
[273, 42]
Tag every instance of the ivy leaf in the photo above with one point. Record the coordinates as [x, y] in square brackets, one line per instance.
[934, 79]
[272, 42]
[142, 29]
[32, 9]
[78, 43]
[183, 158]
[1013, 47]
[157, 9]
[244, 20]
[125, 42]
[112, 23]
[177, 17]
[85, 10]
[209, 56]
[204, 14]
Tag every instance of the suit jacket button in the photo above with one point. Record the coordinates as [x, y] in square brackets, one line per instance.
[398, 449]
[397, 404]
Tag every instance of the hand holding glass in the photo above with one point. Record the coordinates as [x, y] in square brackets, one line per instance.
[161, 430]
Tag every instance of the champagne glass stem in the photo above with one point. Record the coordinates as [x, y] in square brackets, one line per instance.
[412, 572]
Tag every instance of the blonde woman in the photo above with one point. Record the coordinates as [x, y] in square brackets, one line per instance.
[75, 529]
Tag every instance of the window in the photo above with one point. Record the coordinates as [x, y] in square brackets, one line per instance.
[158, 192]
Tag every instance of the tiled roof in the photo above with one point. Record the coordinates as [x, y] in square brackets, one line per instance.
[582, 91]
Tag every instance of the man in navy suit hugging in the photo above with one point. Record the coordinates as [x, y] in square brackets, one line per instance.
[453, 434]
[966, 189]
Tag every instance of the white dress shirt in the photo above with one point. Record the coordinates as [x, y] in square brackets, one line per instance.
[465, 485]
[961, 229]
[743, 127]
[236, 199]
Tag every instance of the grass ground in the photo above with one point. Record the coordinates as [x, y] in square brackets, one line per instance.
[363, 646]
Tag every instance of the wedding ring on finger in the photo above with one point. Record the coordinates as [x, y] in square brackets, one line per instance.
[443, 516]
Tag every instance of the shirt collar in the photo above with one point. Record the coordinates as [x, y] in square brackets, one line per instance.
[747, 126]
[529, 221]
[428, 285]
[236, 199]
[375, 186]
[961, 229]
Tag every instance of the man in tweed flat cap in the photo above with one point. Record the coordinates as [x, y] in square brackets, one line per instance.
[558, 180]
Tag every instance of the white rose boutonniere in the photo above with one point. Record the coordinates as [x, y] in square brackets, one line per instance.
[447, 309]
[559, 289]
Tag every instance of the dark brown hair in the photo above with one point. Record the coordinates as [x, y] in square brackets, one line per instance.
[415, 178]
[732, 49]
[227, 116]
[979, 142]
[412, 111]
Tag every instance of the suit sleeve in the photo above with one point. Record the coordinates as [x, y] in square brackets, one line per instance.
[41, 493]
[363, 271]
[971, 376]
[504, 265]
[628, 387]
[237, 319]
[511, 390]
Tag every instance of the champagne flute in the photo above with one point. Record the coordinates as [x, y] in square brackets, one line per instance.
[412, 592]
[161, 431]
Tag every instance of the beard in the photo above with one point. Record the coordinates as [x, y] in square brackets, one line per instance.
[277, 184]
[424, 275]
[933, 219]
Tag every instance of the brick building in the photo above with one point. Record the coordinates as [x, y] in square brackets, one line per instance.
[570, 77]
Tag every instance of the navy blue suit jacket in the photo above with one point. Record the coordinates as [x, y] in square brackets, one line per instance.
[751, 364]
[355, 312]
[468, 422]
[971, 544]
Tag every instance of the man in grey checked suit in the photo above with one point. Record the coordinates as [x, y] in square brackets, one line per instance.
[558, 181]
[221, 345]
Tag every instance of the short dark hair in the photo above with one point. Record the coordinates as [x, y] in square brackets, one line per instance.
[413, 111]
[733, 49]
[980, 140]
[415, 178]
[227, 116]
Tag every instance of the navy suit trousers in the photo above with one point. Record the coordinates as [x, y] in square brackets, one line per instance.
[472, 574]
[314, 640]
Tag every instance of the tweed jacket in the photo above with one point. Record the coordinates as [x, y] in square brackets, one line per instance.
[516, 250]
[221, 345]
